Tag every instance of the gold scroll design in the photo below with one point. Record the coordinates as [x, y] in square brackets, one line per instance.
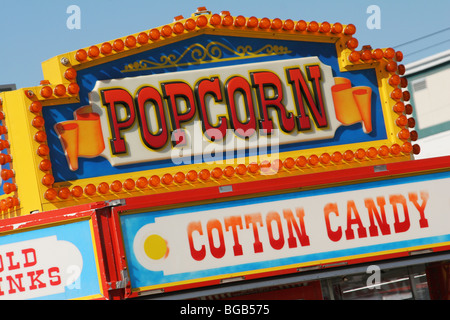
[352, 104]
[200, 54]
[81, 137]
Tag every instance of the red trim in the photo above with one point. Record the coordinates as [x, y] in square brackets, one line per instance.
[320, 180]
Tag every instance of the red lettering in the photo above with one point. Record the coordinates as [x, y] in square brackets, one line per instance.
[382, 223]
[12, 266]
[301, 90]
[154, 139]
[17, 284]
[332, 235]
[28, 262]
[400, 226]
[300, 230]
[173, 91]
[254, 219]
[234, 222]
[349, 234]
[34, 275]
[196, 254]
[246, 127]
[273, 216]
[53, 274]
[219, 251]
[2, 293]
[261, 81]
[211, 87]
[424, 196]
[112, 98]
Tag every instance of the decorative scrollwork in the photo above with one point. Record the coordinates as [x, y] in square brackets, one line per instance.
[200, 54]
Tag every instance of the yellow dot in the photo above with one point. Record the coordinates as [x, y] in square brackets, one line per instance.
[155, 247]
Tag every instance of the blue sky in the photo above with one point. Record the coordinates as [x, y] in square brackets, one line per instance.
[34, 31]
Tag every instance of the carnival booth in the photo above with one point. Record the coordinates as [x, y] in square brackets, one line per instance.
[216, 157]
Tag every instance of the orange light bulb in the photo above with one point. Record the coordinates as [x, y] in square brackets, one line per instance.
[36, 107]
[360, 154]
[48, 180]
[64, 193]
[252, 22]
[399, 107]
[241, 169]
[377, 54]
[354, 56]
[288, 25]
[383, 151]
[407, 147]
[81, 55]
[350, 30]
[215, 19]
[118, 45]
[227, 20]
[142, 38]
[90, 189]
[38, 122]
[116, 186]
[325, 158]
[416, 149]
[394, 80]
[313, 160]
[204, 174]
[397, 94]
[352, 43]
[154, 181]
[77, 191]
[129, 184]
[372, 153]
[60, 90]
[50, 194]
[178, 28]
[253, 167]
[404, 134]
[391, 66]
[40, 136]
[106, 48]
[202, 21]
[45, 165]
[43, 150]
[130, 41]
[192, 175]
[179, 177]
[73, 89]
[336, 157]
[277, 165]
[166, 31]
[301, 161]
[337, 28]
[401, 121]
[103, 188]
[313, 26]
[46, 92]
[366, 55]
[228, 171]
[155, 34]
[167, 179]
[217, 173]
[277, 24]
[389, 53]
[395, 149]
[264, 23]
[142, 183]
[70, 74]
[239, 21]
[93, 52]
[301, 25]
[289, 163]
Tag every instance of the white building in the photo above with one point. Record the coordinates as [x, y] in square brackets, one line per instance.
[429, 85]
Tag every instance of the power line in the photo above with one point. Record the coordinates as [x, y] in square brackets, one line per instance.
[421, 38]
[429, 47]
